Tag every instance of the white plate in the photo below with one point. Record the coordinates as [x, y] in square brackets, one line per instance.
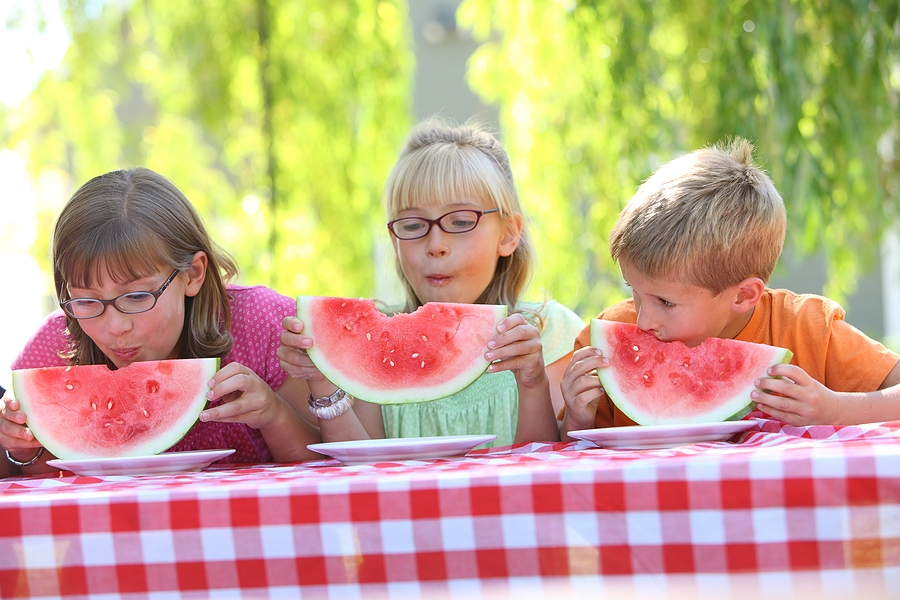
[167, 462]
[393, 449]
[661, 436]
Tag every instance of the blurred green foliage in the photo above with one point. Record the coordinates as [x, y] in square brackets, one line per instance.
[281, 119]
[594, 95]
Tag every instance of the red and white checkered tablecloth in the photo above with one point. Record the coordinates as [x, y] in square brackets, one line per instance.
[780, 506]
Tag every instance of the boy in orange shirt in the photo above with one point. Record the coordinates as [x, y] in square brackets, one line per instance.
[696, 244]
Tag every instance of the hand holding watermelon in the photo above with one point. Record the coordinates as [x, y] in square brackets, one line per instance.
[292, 353]
[241, 396]
[791, 395]
[581, 388]
[15, 437]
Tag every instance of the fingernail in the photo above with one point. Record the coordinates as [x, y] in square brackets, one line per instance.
[489, 355]
[754, 394]
[209, 394]
[492, 344]
[204, 416]
[757, 382]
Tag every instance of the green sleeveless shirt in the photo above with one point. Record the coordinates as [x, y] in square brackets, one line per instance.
[491, 403]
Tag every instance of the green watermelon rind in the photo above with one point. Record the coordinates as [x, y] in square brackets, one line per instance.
[732, 409]
[159, 443]
[358, 389]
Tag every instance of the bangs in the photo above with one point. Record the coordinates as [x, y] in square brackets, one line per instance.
[123, 251]
[442, 174]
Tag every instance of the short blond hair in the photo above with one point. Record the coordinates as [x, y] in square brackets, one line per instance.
[710, 218]
[441, 164]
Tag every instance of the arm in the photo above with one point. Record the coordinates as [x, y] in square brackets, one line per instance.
[791, 395]
[363, 422]
[250, 400]
[517, 348]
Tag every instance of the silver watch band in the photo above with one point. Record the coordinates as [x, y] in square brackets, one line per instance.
[332, 406]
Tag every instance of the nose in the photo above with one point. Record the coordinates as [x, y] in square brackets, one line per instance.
[115, 322]
[436, 242]
[645, 318]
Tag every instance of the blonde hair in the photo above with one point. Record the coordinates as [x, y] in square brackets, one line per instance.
[709, 218]
[441, 163]
[130, 224]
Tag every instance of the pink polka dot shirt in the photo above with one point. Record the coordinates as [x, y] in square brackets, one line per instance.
[257, 313]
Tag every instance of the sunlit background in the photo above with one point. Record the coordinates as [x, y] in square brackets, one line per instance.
[281, 118]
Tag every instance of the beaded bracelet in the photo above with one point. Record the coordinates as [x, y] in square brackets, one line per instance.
[27, 462]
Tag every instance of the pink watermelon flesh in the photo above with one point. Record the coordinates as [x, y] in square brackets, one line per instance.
[668, 383]
[417, 357]
[90, 411]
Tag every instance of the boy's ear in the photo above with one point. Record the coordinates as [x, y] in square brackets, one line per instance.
[196, 273]
[510, 240]
[749, 291]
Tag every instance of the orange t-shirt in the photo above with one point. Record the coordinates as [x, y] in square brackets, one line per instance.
[828, 348]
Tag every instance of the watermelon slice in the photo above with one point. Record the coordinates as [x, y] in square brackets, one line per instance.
[668, 383]
[90, 411]
[415, 357]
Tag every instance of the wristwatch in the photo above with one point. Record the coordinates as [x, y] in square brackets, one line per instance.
[331, 406]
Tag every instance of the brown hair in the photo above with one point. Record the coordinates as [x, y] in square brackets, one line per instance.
[441, 163]
[130, 224]
[709, 218]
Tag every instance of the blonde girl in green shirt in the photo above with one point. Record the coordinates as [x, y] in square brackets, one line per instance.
[459, 235]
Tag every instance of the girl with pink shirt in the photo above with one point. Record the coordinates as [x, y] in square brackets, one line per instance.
[133, 241]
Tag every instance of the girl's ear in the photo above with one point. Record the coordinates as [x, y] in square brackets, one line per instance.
[196, 273]
[510, 240]
[749, 291]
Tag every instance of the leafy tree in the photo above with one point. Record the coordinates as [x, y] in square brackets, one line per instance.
[594, 95]
[279, 120]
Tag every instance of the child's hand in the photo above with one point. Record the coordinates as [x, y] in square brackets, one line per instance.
[292, 352]
[517, 348]
[247, 398]
[581, 388]
[802, 399]
[14, 435]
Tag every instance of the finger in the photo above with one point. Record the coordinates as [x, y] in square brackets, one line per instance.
[292, 324]
[240, 382]
[229, 411]
[513, 320]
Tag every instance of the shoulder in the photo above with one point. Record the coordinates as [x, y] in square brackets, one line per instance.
[622, 311]
[256, 298]
[45, 346]
[803, 306]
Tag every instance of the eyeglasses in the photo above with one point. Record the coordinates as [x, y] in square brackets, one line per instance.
[130, 303]
[456, 221]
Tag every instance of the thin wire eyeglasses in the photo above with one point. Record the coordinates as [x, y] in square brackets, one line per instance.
[131, 303]
[455, 221]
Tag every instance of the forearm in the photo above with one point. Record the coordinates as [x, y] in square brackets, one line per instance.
[288, 435]
[536, 421]
[869, 407]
